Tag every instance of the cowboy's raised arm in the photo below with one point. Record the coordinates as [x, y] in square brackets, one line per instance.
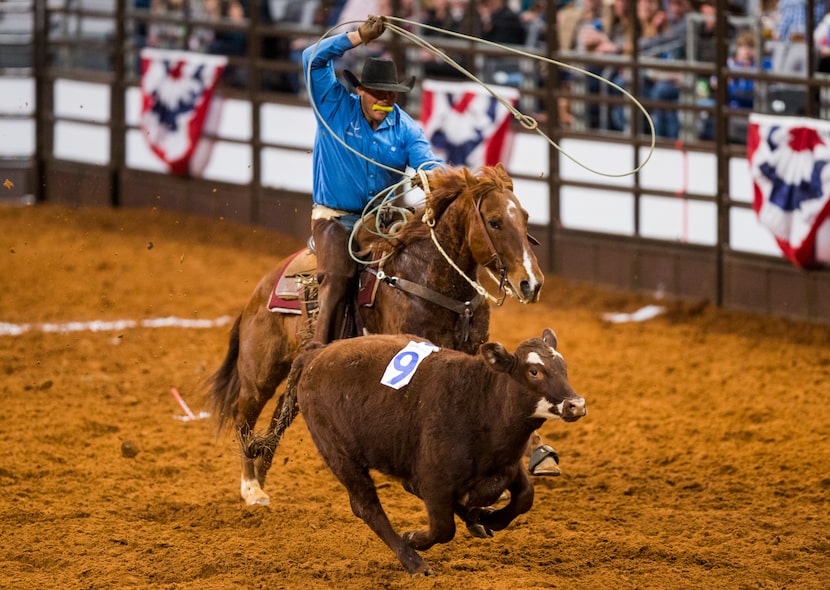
[320, 56]
[324, 90]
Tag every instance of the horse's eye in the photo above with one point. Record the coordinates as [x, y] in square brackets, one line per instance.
[495, 224]
[534, 373]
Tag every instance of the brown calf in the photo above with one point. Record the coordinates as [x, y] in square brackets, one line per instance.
[455, 434]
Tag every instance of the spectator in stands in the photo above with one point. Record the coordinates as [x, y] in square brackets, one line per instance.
[201, 37]
[704, 31]
[371, 122]
[356, 10]
[450, 15]
[567, 17]
[740, 91]
[295, 12]
[167, 35]
[789, 53]
[533, 17]
[498, 23]
[664, 85]
[233, 43]
[651, 21]
[595, 22]
[792, 18]
[140, 31]
[173, 35]
[609, 35]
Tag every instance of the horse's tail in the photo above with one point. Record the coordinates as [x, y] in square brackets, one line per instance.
[265, 445]
[223, 385]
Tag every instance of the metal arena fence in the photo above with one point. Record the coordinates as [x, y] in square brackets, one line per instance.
[684, 224]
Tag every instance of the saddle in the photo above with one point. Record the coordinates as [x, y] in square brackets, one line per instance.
[295, 288]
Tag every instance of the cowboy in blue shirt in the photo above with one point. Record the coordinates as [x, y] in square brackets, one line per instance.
[344, 182]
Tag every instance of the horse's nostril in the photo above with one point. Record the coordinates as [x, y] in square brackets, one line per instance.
[529, 292]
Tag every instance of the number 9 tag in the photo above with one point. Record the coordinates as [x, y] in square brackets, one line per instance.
[402, 367]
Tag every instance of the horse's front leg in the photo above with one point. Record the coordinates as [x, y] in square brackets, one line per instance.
[521, 500]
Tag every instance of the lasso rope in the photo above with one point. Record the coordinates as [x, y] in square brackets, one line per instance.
[526, 121]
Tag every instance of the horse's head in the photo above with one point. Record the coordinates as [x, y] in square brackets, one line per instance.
[496, 232]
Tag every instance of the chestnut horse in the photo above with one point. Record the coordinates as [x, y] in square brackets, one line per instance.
[427, 287]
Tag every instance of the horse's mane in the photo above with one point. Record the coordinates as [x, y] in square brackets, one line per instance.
[446, 185]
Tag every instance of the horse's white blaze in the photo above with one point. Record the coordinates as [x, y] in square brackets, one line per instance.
[544, 409]
[534, 358]
[512, 209]
[253, 494]
[527, 262]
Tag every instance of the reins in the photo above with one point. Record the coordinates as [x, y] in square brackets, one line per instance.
[429, 220]
[465, 309]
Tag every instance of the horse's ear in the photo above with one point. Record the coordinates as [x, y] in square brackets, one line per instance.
[497, 357]
[470, 178]
[501, 172]
[549, 336]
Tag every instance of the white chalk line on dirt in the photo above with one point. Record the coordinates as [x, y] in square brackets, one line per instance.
[7, 329]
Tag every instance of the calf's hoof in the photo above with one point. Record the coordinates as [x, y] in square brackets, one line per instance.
[544, 461]
[410, 560]
[479, 530]
[424, 570]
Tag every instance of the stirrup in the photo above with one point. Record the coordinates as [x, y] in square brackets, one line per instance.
[544, 460]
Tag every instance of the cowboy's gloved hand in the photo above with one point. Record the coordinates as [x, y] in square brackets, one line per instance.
[371, 29]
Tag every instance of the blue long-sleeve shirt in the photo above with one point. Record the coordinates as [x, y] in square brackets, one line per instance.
[342, 179]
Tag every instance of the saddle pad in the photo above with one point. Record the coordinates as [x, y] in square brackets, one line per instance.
[285, 296]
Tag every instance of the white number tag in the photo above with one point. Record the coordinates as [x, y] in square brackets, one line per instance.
[402, 367]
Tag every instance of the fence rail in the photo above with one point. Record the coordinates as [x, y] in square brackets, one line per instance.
[684, 225]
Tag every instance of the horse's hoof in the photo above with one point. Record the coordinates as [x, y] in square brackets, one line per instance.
[253, 494]
[263, 500]
[544, 461]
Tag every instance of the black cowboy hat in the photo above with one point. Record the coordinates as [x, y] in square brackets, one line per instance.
[380, 74]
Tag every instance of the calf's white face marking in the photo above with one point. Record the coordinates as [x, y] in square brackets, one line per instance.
[544, 409]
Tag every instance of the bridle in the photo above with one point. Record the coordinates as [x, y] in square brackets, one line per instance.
[429, 219]
[465, 309]
[494, 254]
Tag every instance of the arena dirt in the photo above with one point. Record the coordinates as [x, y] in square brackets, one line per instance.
[703, 461]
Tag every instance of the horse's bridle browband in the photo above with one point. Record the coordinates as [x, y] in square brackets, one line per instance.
[465, 309]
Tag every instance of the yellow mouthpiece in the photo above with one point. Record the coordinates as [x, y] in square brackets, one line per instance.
[379, 107]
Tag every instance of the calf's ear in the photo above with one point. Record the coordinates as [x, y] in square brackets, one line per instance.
[497, 357]
[549, 336]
